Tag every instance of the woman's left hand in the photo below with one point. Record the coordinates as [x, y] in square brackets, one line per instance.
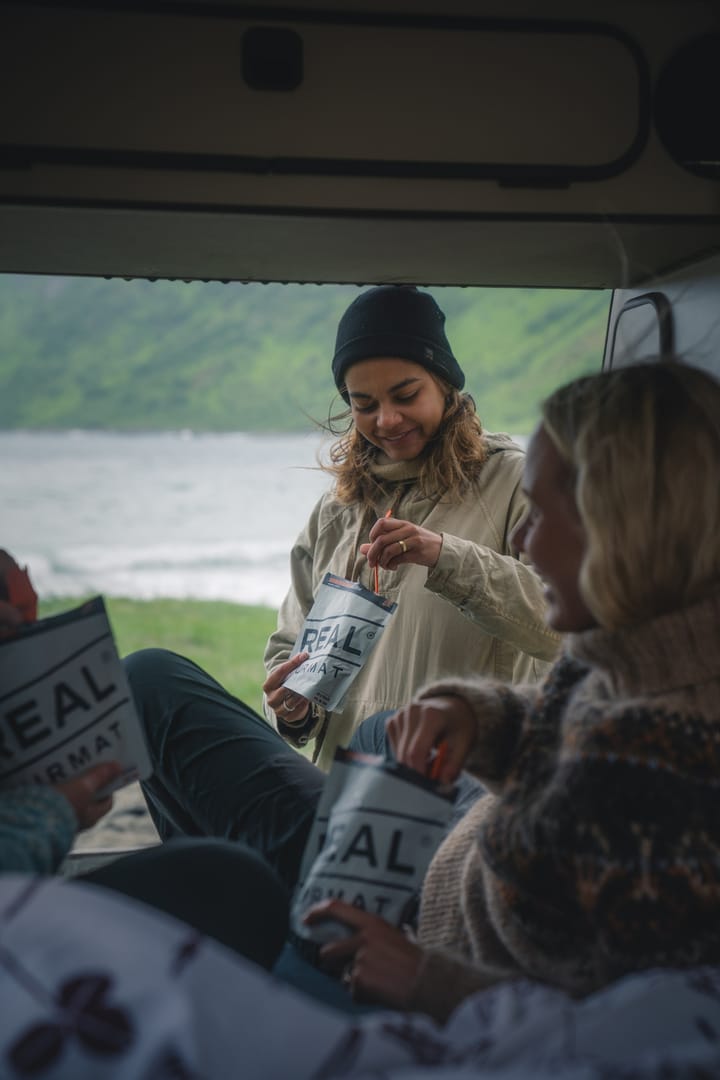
[382, 963]
[394, 542]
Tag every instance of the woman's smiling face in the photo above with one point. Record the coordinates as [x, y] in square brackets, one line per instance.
[396, 405]
[552, 534]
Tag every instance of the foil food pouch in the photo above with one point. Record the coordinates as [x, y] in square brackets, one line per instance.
[341, 629]
[376, 828]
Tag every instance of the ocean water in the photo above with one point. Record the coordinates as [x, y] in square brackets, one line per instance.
[173, 514]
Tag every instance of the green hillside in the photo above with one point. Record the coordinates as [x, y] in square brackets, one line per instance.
[131, 355]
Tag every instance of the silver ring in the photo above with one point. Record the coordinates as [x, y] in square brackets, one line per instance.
[289, 702]
[403, 545]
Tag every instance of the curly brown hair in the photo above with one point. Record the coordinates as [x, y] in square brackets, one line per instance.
[451, 463]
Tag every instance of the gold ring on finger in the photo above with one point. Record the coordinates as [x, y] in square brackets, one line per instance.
[403, 545]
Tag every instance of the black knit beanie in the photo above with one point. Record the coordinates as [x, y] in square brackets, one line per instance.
[395, 320]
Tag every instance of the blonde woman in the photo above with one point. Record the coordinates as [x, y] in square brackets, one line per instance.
[597, 852]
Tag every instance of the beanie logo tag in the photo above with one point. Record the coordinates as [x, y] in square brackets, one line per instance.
[429, 354]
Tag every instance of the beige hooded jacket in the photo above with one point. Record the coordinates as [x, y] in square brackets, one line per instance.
[480, 610]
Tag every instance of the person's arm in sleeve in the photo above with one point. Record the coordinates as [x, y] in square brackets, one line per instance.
[498, 592]
[38, 822]
[488, 584]
[444, 981]
[496, 589]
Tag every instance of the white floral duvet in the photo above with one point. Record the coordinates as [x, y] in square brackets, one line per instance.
[94, 986]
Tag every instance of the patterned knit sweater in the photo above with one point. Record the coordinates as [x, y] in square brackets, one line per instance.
[598, 850]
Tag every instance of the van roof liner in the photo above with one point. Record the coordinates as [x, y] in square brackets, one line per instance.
[456, 142]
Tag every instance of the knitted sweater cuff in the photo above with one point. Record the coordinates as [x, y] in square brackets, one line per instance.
[300, 734]
[499, 712]
[444, 982]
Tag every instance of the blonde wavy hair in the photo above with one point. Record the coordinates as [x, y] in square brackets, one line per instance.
[451, 463]
[643, 444]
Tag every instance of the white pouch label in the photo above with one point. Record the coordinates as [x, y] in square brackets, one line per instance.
[341, 629]
[376, 828]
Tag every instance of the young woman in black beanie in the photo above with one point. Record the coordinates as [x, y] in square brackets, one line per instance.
[423, 506]
[415, 449]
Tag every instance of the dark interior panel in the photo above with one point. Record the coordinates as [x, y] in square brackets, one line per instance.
[463, 142]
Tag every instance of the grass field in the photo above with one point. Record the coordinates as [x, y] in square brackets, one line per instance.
[228, 640]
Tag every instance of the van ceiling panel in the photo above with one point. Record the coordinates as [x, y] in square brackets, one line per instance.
[256, 247]
[444, 142]
[367, 97]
